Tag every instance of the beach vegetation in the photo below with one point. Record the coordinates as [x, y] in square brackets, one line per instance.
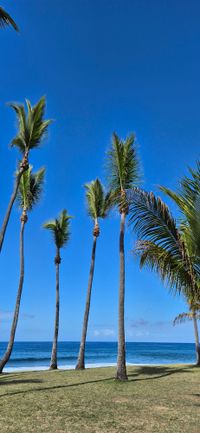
[98, 206]
[29, 193]
[32, 128]
[123, 175]
[60, 229]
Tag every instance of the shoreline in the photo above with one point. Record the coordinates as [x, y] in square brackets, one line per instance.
[87, 366]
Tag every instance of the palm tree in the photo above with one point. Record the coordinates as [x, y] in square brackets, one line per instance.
[98, 204]
[32, 128]
[29, 193]
[60, 230]
[163, 248]
[123, 172]
[7, 20]
[187, 198]
[194, 315]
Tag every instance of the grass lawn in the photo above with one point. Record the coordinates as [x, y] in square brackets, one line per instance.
[154, 400]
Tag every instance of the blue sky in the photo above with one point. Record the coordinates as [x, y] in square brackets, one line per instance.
[103, 66]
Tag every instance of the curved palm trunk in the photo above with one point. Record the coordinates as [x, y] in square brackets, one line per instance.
[8, 352]
[196, 333]
[23, 168]
[81, 356]
[53, 364]
[121, 373]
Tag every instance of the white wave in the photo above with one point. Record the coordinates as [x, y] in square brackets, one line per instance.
[69, 367]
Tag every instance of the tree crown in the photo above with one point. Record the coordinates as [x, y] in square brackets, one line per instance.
[59, 228]
[98, 203]
[31, 125]
[30, 188]
[123, 164]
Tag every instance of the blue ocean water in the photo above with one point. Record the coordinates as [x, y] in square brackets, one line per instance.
[27, 355]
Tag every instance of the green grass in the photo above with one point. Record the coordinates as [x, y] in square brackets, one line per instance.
[154, 400]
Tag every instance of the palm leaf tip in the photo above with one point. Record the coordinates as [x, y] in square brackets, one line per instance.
[7, 20]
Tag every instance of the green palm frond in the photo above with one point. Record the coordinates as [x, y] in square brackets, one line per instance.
[158, 259]
[30, 188]
[31, 125]
[7, 20]
[183, 317]
[162, 246]
[188, 200]
[98, 203]
[151, 219]
[59, 228]
[123, 164]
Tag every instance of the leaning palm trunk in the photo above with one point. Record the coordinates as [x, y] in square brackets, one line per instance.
[23, 168]
[81, 356]
[196, 333]
[121, 373]
[8, 352]
[53, 364]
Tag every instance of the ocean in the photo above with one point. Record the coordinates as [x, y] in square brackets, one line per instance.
[36, 355]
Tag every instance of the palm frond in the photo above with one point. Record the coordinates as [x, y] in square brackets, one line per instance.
[98, 203]
[151, 219]
[31, 126]
[7, 20]
[171, 271]
[59, 228]
[188, 200]
[183, 317]
[123, 164]
[30, 188]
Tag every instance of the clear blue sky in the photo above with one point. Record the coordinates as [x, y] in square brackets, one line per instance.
[103, 66]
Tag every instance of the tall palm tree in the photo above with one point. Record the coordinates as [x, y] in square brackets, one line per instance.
[7, 20]
[163, 248]
[29, 193]
[31, 129]
[98, 204]
[123, 172]
[60, 231]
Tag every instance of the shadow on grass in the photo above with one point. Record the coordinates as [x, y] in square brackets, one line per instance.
[19, 381]
[49, 388]
[157, 372]
[152, 373]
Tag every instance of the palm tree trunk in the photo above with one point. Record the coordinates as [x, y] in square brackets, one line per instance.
[81, 356]
[121, 373]
[23, 168]
[8, 352]
[8, 212]
[53, 364]
[196, 333]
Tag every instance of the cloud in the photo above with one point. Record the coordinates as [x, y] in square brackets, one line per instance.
[140, 323]
[106, 332]
[143, 323]
[8, 315]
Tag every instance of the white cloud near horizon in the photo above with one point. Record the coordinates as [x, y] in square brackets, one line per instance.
[8, 315]
[104, 332]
